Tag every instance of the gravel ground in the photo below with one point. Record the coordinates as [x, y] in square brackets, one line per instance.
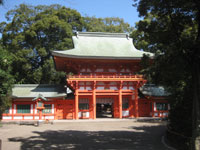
[86, 135]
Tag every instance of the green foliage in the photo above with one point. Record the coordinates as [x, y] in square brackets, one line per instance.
[6, 79]
[32, 34]
[171, 28]
[112, 24]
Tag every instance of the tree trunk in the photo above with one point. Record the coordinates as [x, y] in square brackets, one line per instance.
[196, 102]
[196, 85]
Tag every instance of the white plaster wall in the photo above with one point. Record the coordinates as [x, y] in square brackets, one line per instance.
[17, 117]
[36, 117]
[154, 106]
[49, 117]
[112, 70]
[156, 114]
[10, 110]
[125, 88]
[28, 117]
[100, 88]
[35, 108]
[99, 70]
[88, 88]
[165, 114]
[14, 109]
[7, 117]
[125, 113]
[31, 108]
[87, 114]
[113, 88]
[81, 88]
[52, 109]
[79, 114]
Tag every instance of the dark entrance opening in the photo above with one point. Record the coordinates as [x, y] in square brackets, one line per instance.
[104, 107]
[104, 110]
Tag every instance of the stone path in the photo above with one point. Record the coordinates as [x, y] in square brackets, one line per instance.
[85, 135]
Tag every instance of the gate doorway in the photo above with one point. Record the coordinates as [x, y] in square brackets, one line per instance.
[104, 107]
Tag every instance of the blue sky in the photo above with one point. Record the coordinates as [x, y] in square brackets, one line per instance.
[98, 8]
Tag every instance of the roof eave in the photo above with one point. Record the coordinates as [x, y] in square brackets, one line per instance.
[14, 97]
[96, 57]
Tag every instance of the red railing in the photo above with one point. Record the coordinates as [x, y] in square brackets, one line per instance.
[105, 76]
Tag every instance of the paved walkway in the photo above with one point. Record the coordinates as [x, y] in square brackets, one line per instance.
[86, 135]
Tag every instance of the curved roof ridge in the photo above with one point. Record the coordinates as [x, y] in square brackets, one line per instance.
[103, 34]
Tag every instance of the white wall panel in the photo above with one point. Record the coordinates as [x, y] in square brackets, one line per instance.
[28, 117]
[10, 110]
[49, 117]
[7, 117]
[14, 109]
[17, 117]
[52, 109]
[125, 113]
[31, 108]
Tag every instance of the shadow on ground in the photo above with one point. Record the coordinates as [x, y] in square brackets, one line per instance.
[142, 138]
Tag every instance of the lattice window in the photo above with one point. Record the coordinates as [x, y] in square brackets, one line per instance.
[83, 106]
[161, 106]
[23, 108]
[125, 103]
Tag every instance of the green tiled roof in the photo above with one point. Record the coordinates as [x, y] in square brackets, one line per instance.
[102, 45]
[35, 90]
[152, 90]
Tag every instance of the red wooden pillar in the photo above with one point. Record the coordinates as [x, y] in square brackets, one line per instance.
[33, 111]
[131, 102]
[120, 100]
[94, 100]
[40, 114]
[12, 111]
[116, 107]
[131, 108]
[136, 102]
[76, 101]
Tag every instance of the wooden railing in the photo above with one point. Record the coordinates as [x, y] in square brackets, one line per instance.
[105, 76]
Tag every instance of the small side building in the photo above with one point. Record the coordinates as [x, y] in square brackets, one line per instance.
[25, 98]
[153, 101]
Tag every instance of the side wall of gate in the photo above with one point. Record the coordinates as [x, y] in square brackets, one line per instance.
[64, 109]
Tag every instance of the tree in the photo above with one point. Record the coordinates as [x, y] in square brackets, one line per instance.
[108, 24]
[32, 34]
[173, 28]
[6, 80]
